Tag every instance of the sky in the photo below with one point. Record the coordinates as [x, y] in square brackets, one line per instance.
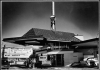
[75, 17]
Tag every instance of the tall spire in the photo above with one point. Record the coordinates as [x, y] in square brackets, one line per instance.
[52, 18]
[53, 8]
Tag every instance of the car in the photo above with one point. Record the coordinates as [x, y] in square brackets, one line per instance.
[92, 59]
[81, 64]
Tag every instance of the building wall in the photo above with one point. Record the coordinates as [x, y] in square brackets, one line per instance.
[71, 57]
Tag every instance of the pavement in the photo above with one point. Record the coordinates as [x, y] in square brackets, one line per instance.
[56, 68]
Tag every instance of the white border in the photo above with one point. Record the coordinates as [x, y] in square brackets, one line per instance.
[47, 0]
[1, 27]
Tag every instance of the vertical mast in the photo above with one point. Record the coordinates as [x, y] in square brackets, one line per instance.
[52, 18]
[53, 8]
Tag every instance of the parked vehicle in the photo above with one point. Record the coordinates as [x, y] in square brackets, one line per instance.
[90, 60]
[79, 64]
[82, 64]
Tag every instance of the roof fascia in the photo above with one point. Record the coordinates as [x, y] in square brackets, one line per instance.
[58, 41]
[94, 39]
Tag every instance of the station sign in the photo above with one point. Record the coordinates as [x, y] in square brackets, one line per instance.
[17, 52]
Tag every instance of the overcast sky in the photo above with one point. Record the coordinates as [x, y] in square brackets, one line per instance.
[75, 17]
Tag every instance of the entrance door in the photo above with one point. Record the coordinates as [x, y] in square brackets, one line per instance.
[60, 59]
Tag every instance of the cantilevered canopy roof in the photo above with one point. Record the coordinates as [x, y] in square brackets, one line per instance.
[36, 35]
[25, 40]
[90, 43]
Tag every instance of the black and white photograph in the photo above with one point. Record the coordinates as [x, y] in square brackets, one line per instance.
[50, 35]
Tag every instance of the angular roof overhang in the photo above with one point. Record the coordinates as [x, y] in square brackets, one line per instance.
[24, 40]
[35, 40]
[88, 43]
